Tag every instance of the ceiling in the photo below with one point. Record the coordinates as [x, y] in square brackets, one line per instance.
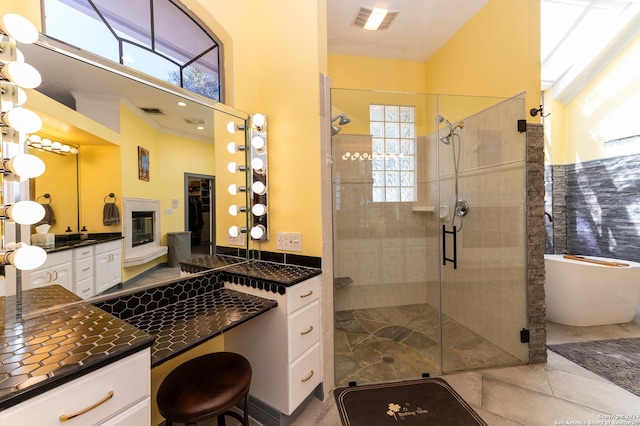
[578, 37]
[419, 30]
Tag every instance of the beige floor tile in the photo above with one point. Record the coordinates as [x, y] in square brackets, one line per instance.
[560, 363]
[468, 386]
[530, 408]
[531, 377]
[602, 396]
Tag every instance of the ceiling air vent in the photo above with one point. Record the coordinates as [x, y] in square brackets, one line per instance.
[363, 14]
[154, 111]
[195, 121]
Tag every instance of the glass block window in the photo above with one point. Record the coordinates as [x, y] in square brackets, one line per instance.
[155, 37]
[394, 153]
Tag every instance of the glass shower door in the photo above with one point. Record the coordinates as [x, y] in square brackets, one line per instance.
[481, 159]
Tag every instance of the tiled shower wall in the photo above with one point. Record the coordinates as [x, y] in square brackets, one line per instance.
[595, 207]
[390, 251]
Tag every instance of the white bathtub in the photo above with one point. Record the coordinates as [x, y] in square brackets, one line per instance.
[583, 294]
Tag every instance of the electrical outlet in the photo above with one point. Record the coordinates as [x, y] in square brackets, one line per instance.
[240, 240]
[168, 211]
[289, 241]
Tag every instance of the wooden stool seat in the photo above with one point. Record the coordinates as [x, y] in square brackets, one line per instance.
[205, 387]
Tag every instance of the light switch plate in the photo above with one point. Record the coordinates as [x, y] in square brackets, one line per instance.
[175, 203]
[240, 240]
[289, 241]
[168, 211]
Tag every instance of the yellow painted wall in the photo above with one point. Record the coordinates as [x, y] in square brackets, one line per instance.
[279, 48]
[497, 53]
[606, 109]
[358, 72]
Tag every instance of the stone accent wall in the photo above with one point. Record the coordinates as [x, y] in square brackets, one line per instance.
[536, 236]
[596, 208]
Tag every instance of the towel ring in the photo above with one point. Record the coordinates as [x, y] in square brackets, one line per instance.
[46, 196]
[111, 195]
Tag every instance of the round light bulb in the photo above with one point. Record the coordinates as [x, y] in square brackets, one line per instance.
[258, 188]
[234, 210]
[46, 142]
[235, 231]
[22, 120]
[25, 212]
[27, 257]
[259, 209]
[234, 189]
[25, 165]
[18, 28]
[257, 232]
[22, 96]
[258, 121]
[231, 127]
[257, 142]
[232, 148]
[22, 74]
[73, 150]
[56, 145]
[34, 138]
[234, 167]
[65, 148]
[257, 164]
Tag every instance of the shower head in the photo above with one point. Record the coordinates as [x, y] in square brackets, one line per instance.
[335, 129]
[343, 119]
[452, 129]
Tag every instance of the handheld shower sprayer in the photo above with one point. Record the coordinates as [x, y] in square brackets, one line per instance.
[335, 129]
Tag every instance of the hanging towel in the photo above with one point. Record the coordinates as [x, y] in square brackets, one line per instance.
[49, 218]
[110, 214]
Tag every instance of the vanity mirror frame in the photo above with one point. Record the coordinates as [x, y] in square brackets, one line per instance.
[166, 89]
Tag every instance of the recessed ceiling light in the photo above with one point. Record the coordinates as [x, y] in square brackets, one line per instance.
[182, 103]
[375, 19]
[200, 128]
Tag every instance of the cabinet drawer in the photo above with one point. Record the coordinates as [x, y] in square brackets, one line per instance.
[304, 329]
[302, 294]
[84, 268]
[134, 416]
[84, 288]
[129, 380]
[105, 247]
[304, 376]
[83, 252]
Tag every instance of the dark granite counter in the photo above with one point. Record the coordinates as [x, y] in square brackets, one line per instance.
[186, 313]
[43, 350]
[71, 241]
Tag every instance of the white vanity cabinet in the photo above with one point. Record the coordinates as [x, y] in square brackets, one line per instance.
[108, 265]
[283, 347]
[83, 259]
[57, 269]
[117, 394]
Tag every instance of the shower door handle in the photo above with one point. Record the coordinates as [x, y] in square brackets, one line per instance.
[445, 259]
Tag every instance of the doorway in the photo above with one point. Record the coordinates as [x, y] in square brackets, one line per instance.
[200, 213]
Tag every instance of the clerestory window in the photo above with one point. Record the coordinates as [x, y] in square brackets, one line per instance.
[394, 153]
[155, 37]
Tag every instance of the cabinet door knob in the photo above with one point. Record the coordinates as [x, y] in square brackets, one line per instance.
[306, 379]
[65, 417]
[302, 296]
[302, 333]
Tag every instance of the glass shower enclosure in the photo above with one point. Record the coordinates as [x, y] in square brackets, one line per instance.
[429, 234]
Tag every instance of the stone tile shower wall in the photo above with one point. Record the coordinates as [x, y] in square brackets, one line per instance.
[596, 208]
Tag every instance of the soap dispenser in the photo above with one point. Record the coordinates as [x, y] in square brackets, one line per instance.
[84, 234]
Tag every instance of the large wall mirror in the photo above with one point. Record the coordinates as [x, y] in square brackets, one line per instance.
[108, 112]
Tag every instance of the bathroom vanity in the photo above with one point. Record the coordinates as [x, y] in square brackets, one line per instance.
[84, 267]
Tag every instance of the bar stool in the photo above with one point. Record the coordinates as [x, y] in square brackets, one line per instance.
[206, 387]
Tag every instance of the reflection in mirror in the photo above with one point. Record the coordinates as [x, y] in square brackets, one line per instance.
[57, 188]
[108, 112]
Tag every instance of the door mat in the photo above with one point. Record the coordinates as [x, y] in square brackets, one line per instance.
[421, 402]
[617, 360]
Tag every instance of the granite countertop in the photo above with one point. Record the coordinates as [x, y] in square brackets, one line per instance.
[186, 313]
[64, 341]
[71, 241]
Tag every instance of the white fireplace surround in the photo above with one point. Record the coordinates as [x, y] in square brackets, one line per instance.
[144, 253]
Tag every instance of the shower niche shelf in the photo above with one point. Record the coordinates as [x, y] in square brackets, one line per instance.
[429, 209]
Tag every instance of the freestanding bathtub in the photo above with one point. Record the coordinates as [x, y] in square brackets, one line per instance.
[583, 294]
